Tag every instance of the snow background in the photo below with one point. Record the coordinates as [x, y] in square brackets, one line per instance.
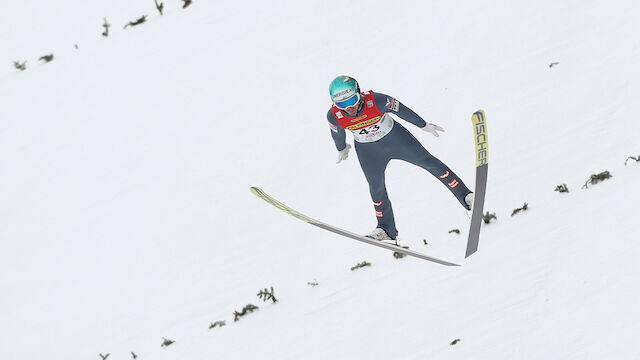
[125, 168]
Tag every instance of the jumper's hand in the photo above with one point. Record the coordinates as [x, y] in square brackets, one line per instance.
[343, 154]
[433, 128]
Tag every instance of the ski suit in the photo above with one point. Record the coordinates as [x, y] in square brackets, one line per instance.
[378, 140]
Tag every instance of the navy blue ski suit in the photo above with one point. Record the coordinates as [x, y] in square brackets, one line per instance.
[395, 143]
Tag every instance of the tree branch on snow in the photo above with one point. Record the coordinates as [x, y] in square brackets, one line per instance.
[20, 66]
[361, 265]
[635, 158]
[217, 324]
[266, 295]
[398, 255]
[104, 357]
[562, 188]
[106, 26]
[159, 6]
[166, 342]
[488, 217]
[247, 309]
[46, 58]
[596, 178]
[524, 207]
[137, 22]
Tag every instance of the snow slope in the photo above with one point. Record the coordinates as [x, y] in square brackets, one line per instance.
[125, 168]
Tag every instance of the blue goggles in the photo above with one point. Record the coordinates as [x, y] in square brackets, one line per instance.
[349, 102]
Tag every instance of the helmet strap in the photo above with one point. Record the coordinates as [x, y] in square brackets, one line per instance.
[361, 103]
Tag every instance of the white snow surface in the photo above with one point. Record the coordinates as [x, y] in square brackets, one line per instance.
[125, 167]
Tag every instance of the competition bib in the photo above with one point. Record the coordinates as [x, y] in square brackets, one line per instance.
[374, 132]
[371, 125]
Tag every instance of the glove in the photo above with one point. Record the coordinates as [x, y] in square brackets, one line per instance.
[433, 128]
[343, 154]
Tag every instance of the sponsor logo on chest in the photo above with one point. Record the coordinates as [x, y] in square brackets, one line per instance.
[364, 123]
[359, 118]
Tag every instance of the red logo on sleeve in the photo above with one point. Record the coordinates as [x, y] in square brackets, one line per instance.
[445, 175]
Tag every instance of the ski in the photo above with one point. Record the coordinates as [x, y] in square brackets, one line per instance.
[264, 196]
[482, 166]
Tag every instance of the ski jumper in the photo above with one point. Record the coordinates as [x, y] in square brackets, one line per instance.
[378, 140]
